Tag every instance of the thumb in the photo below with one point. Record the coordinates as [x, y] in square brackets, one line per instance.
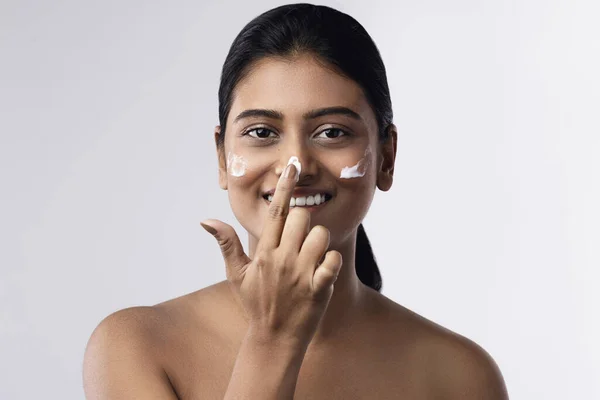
[231, 247]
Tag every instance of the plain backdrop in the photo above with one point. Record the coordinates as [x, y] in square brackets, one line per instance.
[491, 229]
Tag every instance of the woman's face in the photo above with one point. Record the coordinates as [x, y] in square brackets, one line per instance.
[339, 152]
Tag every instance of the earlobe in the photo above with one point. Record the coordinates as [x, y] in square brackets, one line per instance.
[384, 180]
[385, 174]
[221, 159]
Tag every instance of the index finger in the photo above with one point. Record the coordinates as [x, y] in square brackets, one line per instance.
[278, 209]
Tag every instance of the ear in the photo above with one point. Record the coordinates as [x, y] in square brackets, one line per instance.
[385, 173]
[222, 159]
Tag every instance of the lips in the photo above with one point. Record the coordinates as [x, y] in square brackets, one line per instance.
[311, 198]
[308, 202]
[320, 198]
[302, 192]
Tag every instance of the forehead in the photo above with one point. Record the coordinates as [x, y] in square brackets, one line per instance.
[295, 86]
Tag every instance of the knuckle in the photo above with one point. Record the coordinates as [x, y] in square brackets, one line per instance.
[226, 246]
[296, 278]
[286, 185]
[261, 259]
[277, 212]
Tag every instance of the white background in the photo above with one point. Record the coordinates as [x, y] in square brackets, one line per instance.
[107, 166]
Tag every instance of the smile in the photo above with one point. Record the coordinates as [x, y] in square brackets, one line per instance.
[304, 201]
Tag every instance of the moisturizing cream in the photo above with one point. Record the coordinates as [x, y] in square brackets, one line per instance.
[359, 169]
[294, 160]
[236, 165]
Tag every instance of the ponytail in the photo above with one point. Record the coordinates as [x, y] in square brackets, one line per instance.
[366, 266]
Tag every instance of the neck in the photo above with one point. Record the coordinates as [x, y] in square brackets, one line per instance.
[347, 300]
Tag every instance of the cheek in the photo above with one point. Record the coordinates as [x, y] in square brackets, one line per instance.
[242, 166]
[244, 169]
[353, 168]
[236, 165]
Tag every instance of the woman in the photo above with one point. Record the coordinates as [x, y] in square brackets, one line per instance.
[305, 137]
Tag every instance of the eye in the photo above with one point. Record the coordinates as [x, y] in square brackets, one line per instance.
[334, 133]
[261, 133]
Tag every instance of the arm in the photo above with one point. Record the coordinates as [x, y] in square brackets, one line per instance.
[119, 362]
[266, 368]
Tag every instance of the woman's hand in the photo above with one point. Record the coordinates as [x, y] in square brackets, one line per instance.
[283, 290]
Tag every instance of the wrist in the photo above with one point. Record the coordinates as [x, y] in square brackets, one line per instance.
[266, 338]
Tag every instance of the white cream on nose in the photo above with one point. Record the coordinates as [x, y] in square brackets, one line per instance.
[236, 165]
[359, 169]
[293, 160]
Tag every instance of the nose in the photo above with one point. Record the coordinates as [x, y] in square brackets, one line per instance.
[298, 147]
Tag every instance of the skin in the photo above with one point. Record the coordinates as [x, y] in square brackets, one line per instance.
[294, 87]
[366, 345]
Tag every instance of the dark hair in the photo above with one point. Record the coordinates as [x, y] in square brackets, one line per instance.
[339, 42]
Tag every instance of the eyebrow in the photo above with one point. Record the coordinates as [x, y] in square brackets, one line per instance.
[309, 115]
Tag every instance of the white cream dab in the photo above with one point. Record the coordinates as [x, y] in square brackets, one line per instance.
[358, 170]
[236, 165]
[294, 160]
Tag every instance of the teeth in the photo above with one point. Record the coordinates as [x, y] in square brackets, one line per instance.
[304, 201]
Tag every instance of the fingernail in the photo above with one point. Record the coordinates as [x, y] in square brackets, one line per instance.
[294, 160]
[209, 228]
[287, 171]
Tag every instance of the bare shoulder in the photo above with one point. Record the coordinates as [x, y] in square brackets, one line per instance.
[122, 359]
[147, 347]
[465, 370]
[457, 367]
[131, 329]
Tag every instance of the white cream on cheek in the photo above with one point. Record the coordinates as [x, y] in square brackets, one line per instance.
[236, 165]
[359, 169]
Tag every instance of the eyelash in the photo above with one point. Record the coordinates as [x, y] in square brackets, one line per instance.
[247, 133]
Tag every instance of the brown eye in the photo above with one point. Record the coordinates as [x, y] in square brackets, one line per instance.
[334, 133]
[261, 133]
